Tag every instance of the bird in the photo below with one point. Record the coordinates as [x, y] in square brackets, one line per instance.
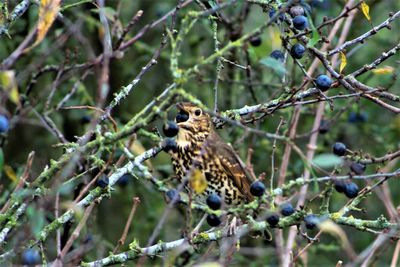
[200, 150]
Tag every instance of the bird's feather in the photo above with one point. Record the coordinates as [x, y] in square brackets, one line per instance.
[233, 166]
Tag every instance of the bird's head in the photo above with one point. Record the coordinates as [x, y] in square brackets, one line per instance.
[194, 124]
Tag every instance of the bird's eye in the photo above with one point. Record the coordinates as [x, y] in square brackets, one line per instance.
[197, 112]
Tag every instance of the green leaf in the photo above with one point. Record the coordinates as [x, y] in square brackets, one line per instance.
[314, 39]
[327, 161]
[36, 220]
[8, 83]
[315, 35]
[275, 65]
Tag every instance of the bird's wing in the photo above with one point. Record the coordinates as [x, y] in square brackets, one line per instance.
[234, 168]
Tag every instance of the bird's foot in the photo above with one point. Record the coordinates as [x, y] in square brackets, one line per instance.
[232, 227]
[196, 230]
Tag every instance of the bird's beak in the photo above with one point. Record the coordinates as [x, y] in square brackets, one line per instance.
[183, 114]
[179, 106]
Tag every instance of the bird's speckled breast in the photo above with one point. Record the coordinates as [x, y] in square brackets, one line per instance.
[201, 156]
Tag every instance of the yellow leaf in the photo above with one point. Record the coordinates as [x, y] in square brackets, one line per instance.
[10, 173]
[275, 37]
[383, 70]
[365, 10]
[343, 61]
[198, 181]
[47, 14]
[8, 83]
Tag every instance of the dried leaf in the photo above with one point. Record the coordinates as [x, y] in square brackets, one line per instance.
[343, 61]
[365, 10]
[47, 14]
[383, 70]
[198, 181]
[8, 83]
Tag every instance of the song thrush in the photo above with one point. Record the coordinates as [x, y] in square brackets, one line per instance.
[200, 148]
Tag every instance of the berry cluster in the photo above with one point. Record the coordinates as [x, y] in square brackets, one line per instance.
[298, 18]
[214, 202]
[170, 130]
[350, 189]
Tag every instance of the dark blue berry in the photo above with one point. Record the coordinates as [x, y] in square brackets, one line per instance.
[351, 190]
[169, 144]
[353, 118]
[214, 201]
[85, 119]
[213, 220]
[273, 219]
[287, 209]
[323, 127]
[339, 149]
[257, 188]
[88, 239]
[297, 51]
[103, 181]
[172, 195]
[340, 185]
[255, 41]
[182, 116]
[170, 129]
[31, 257]
[295, 11]
[280, 17]
[307, 7]
[124, 179]
[311, 221]
[300, 23]
[323, 82]
[357, 117]
[362, 117]
[358, 168]
[4, 124]
[272, 12]
[278, 55]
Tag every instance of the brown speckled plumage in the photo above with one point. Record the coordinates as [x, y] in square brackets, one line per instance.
[200, 147]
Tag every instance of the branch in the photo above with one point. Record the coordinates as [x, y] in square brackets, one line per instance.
[366, 35]
[18, 11]
[206, 237]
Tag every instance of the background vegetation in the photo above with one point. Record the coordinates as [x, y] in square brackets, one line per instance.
[87, 85]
